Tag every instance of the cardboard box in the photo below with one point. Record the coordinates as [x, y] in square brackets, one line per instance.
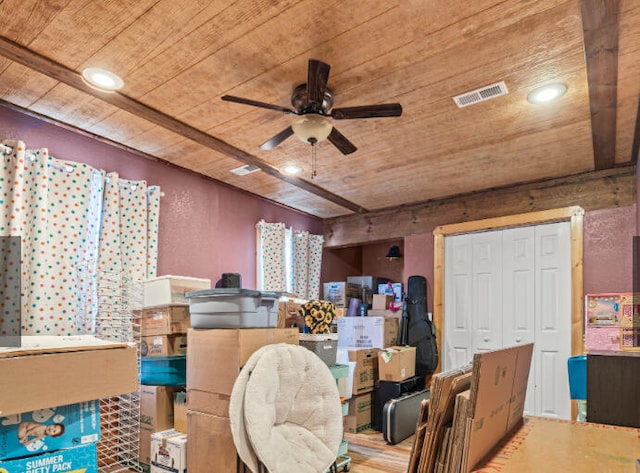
[360, 416]
[171, 290]
[381, 301]
[211, 446]
[83, 459]
[144, 446]
[367, 332]
[164, 345]
[156, 407]
[395, 290]
[180, 411]
[214, 358]
[396, 363]
[168, 452]
[67, 370]
[365, 373]
[165, 320]
[288, 311]
[71, 425]
[341, 292]
[384, 313]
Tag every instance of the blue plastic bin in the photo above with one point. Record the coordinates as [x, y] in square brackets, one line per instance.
[578, 377]
[164, 370]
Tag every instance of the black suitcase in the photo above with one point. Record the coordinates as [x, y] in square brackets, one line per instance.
[386, 390]
[400, 416]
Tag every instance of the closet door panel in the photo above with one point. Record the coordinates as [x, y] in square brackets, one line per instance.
[553, 318]
[518, 323]
[487, 291]
[458, 301]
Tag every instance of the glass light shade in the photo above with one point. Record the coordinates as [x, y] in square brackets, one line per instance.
[102, 79]
[547, 93]
[312, 126]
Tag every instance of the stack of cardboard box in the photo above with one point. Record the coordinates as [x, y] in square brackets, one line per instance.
[214, 359]
[164, 323]
[50, 413]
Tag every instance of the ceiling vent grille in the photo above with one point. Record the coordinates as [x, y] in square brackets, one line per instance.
[246, 169]
[482, 94]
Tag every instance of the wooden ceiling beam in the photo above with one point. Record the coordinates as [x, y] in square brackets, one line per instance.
[593, 190]
[600, 27]
[15, 52]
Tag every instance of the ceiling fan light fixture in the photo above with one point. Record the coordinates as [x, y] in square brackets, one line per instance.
[102, 79]
[547, 93]
[312, 127]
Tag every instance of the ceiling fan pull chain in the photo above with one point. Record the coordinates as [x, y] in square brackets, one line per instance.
[313, 157]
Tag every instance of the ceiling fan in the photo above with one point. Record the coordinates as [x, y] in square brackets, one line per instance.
[312, 104]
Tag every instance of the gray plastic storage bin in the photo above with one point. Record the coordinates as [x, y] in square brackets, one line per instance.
[233, 308]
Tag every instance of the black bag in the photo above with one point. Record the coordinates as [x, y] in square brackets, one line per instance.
[416, 329]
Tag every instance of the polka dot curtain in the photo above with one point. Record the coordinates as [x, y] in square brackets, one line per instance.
[289, 260]
[74, 221]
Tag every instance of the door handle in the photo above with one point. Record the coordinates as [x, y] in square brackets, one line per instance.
[518, 340]
[486, 339]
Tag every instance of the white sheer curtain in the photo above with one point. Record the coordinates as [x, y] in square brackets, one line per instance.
[73, 220]
[289, 260]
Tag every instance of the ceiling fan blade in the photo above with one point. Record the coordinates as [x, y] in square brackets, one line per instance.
[341, 142]
[368, 111]
[317, 79]
[277, 139]
[255, 103]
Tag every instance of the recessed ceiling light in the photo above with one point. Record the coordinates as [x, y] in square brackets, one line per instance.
[291, 169]
[547, 93]
[102, 79]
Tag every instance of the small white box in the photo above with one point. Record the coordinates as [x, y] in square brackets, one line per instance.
[168, 452]
[170, 290]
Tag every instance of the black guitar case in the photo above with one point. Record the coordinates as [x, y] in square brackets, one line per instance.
[416, 329]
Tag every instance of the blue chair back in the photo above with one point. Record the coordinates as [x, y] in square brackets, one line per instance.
[578, 377]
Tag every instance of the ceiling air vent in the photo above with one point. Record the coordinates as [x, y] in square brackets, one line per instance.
[246, 169]
[482, 94]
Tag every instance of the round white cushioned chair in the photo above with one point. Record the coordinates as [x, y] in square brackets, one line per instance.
[285, 411]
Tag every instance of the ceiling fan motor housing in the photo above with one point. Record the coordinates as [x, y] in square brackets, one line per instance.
[299, 100]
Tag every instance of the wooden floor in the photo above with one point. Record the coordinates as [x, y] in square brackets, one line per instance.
[371, 454]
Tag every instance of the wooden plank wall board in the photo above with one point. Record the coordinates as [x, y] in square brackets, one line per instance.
[592, 191]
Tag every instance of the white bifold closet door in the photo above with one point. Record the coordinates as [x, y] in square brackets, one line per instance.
[508, 287]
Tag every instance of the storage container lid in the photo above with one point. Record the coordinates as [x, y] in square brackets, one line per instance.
[317, 337]
[233, 291]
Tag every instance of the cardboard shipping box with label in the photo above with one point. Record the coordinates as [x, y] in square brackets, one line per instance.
[365, 373]
[49, 429]
[169, 452]
[166, 320]
[396, 363]
[164, 345]
[367, 332]
[360, 416]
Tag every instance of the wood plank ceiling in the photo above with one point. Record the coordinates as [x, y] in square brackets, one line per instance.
[178, 57]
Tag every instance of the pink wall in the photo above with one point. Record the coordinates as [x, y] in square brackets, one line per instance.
[418, 261]
[206, 228]
[608, 250]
